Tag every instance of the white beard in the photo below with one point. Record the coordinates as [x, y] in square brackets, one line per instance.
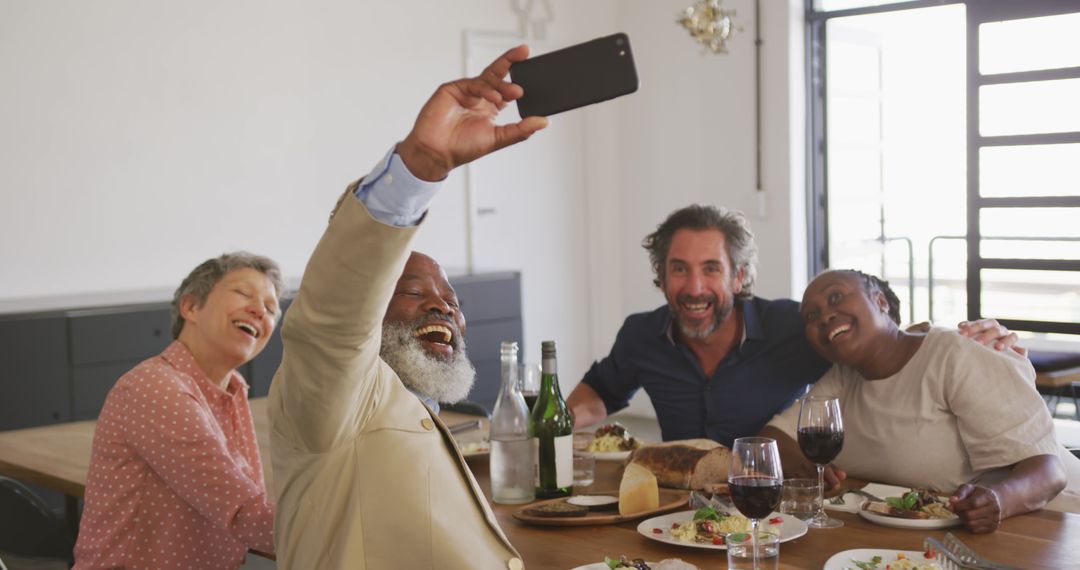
[445, 381]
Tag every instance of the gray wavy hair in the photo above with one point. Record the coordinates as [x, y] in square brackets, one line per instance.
[202, 279]
[738, 239]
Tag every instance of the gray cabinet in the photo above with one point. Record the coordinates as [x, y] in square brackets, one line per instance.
[491, 304]
[33, 371]
[58, 365]
[107, 342]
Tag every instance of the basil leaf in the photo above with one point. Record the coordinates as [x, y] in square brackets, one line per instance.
[706, 513]
[864, 565]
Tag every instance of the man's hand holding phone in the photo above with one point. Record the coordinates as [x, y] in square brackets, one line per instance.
[457, 124]
[576, 76]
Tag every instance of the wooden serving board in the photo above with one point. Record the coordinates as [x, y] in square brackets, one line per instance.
[670, 500]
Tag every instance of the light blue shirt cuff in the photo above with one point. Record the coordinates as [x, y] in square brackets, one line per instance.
[393, 195]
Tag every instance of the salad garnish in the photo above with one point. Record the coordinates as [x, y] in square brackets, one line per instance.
[710, 513]
[625, 563]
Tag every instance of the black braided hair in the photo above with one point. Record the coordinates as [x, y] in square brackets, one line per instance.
[872, 283]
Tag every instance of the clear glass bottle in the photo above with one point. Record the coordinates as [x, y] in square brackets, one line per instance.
[513, 451]
[553, 427]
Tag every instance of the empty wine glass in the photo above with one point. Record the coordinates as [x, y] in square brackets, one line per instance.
[821, 437]
[755, 481]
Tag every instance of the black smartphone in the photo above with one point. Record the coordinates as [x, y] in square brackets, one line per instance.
[576, 76]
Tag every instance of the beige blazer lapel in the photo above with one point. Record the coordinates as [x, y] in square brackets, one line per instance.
[477, 493]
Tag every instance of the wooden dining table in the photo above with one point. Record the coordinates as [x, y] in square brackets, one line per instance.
[1038, 540]
[58, 456]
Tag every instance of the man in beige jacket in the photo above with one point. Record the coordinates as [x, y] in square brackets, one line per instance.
[366, 475]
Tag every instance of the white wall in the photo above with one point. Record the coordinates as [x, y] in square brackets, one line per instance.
[138, 138]
[135, 131]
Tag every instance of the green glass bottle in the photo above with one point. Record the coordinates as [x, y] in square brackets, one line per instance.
[552, 425]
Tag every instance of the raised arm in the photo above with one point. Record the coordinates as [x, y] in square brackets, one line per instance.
[323, 390]
[456, 125]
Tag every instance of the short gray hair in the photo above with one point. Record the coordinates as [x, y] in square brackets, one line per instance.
[202, 279]
[739, 240]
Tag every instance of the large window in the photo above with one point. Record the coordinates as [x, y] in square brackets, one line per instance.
[945, 154]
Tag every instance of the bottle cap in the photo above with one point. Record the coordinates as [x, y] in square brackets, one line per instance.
[547, 348]
[508, 347]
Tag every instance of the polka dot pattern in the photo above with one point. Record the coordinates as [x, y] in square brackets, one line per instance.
[175, 479]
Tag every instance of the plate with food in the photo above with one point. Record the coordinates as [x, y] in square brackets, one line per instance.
[706, 527]
[918, 508]
[594, 509]
[612, 455]
[626, 563]
[474, 448]
[621, 563]
[854, 496]
[612, 443]
[881, 559]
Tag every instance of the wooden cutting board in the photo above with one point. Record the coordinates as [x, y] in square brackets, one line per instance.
[670, 500]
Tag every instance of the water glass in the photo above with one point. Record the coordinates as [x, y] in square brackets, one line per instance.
[801, 498]
[740, 551]
[584, 460]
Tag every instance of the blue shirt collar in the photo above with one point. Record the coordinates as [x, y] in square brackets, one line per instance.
[753, 329]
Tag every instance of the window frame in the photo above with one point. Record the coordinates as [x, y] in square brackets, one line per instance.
[976, 13]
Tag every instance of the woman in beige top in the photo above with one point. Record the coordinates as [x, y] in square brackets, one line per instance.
[931, 409]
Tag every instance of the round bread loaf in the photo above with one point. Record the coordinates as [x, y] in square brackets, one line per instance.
[685, 463]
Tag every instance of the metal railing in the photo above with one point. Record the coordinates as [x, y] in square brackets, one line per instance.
[911, 272]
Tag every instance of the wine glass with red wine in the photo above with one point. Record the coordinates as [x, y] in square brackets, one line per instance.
[529, 377]
[821, 437]
[755, 481]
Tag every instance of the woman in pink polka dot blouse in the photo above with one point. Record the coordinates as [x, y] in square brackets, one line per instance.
[175, 478]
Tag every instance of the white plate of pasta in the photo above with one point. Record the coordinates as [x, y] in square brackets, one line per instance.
[880, 559]
[677, 528]
[901, 522]
[612, 442]
[611, 455]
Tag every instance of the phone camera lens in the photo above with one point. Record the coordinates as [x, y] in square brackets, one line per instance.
[619, 42]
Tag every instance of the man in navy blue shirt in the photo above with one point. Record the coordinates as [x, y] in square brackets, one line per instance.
[716, 361]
